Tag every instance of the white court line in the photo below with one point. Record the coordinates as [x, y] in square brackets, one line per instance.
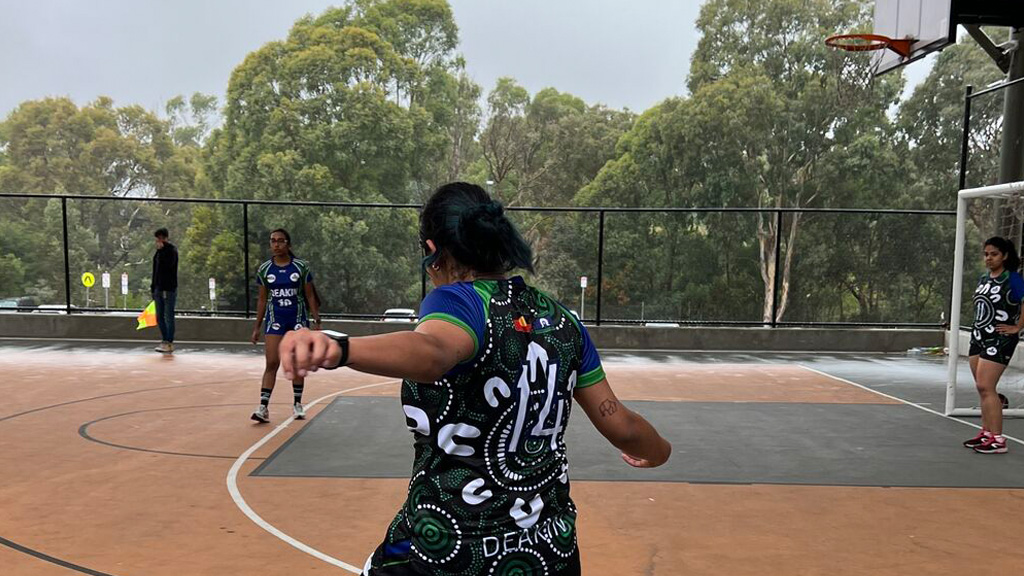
[236, 495]
[901, 400]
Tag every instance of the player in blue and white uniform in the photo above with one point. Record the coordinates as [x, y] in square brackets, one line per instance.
[286, 301]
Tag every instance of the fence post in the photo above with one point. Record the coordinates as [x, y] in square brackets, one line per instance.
[775, 282]
[245, 245]
[965, 138]
[67, 258]
[600, 263]
[965, 141]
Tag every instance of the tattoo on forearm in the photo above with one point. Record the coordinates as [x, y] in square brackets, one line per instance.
[608, 407]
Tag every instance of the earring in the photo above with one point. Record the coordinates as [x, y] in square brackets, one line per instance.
[435, 267]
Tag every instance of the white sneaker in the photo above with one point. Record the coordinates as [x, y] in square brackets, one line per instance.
[262, 414]
[299, 411]
[161, 347]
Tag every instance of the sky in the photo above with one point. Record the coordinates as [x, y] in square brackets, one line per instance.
[623, 54]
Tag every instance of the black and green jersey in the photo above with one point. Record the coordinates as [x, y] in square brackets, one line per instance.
[489, 493]
[996, 301]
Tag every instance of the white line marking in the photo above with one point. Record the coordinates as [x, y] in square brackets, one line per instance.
[901, 400]
[236, 495]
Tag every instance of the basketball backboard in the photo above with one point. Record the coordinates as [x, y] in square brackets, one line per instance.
[929, 23]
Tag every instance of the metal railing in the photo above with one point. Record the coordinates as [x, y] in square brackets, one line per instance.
[776, 214]
[965, 139]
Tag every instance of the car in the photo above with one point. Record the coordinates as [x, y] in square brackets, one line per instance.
[662, 325]
[54, 308]
[17, 302]
[399, 315]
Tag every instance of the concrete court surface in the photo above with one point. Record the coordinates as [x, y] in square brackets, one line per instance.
[117, 461]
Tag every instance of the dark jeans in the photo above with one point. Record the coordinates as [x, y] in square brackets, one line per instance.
[165, 312]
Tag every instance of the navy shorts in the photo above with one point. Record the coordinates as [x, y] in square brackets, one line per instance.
[282, 325]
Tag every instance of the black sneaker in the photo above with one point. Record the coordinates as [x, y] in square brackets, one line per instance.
[977, 440]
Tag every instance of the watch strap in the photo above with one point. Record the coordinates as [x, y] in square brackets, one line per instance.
[342, 340]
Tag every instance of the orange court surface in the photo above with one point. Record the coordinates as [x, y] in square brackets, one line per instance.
[119, 461]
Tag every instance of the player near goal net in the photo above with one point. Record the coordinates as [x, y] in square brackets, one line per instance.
[994, 336]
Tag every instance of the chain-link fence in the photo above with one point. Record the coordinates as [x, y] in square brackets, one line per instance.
[701, 266]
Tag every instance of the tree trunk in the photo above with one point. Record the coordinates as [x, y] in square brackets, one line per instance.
[766, 254]
[788, 266]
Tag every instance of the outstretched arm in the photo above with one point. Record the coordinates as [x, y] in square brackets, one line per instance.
[640, 443]
[423, 355]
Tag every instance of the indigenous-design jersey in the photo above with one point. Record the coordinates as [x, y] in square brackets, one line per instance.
[286, 297]
[489, 493]
[996, 301]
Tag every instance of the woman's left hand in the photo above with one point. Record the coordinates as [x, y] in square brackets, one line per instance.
[1007, 329]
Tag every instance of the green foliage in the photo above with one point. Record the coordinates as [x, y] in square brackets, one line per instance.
[191, 121]
[52, 146]
[764, 127]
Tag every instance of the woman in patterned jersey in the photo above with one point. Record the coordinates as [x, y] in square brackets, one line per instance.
[994, 337]
[490, 374]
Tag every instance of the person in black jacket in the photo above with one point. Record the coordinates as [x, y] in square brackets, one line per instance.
[164, 288]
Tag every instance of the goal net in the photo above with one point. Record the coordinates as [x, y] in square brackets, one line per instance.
[962, 320]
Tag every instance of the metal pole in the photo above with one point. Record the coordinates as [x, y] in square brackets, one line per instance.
[600, 263]
[245, 244]
[775, 281]
[67, 259]
[583, 310]
[954, 309]
[1011, 153]
[964, 155]
[966, 138]
[423, 277]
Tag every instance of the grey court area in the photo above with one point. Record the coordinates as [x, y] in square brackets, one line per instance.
[809, 444]
[720, 443]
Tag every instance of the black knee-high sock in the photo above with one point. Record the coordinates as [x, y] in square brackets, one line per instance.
[297, 388]
[265, 396]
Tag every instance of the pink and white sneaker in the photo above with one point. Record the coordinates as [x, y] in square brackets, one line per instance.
[992, 445]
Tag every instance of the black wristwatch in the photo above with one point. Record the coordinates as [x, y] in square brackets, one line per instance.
[342, 340]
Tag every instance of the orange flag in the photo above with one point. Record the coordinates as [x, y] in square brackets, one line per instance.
[148, 317]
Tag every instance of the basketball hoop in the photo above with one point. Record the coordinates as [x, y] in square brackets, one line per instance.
[869, 42]
[855, 73]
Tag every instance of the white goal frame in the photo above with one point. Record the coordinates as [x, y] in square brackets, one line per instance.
[1002, 190]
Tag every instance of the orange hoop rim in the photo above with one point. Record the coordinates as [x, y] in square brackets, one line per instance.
[868, 42]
